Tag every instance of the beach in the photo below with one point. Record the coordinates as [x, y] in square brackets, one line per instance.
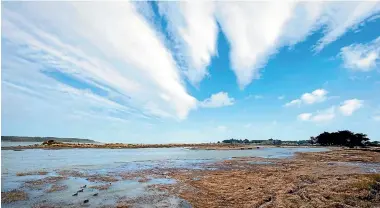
[180, 177]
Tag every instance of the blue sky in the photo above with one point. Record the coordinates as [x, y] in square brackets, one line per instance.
[161, 72]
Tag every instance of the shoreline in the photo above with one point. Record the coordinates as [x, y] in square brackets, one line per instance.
[202, 146]
[335, 178]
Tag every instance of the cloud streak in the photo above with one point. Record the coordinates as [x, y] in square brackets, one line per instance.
[124, 37]
[193, 27]
[257, 30]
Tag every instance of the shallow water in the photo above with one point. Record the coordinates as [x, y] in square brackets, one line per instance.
[365, 167]
[37, 159]
[15, 144]
[111, 162]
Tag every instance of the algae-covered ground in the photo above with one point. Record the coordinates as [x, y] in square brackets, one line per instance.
[338, 178]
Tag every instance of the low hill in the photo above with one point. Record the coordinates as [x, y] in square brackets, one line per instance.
[42, 139]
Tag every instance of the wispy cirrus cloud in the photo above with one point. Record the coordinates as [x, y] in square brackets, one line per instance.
[255, 35]
[98, 49]
[193, 27]
[253, 32]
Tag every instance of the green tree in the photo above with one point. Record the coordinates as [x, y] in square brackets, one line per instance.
[341, 138]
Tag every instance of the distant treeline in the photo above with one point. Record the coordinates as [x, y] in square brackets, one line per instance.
[266, 142]
[339, 138]
[343, 138]
[42, 139]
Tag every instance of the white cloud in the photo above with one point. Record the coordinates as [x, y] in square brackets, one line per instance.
[253, 33]
[81, 39]
[217, 100]
[256, 30]
[46, 97]
[304, 116]
[319, 116]
[325, 115]
[361, 57]
[376, 117]
[348, 107]
[293, 103]
[281, 97]
[195, 31]
[340, 17]
[317, 96]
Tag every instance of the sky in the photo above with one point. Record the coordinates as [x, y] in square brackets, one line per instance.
[185, 72]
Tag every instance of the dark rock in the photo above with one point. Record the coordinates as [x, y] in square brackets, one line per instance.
[96, 194]
[80, 190]
[249, 188]
[86, 201]
[76, 194]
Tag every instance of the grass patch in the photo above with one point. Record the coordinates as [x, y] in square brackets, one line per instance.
[12, 196]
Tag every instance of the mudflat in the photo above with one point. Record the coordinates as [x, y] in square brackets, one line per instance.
[335, 178]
